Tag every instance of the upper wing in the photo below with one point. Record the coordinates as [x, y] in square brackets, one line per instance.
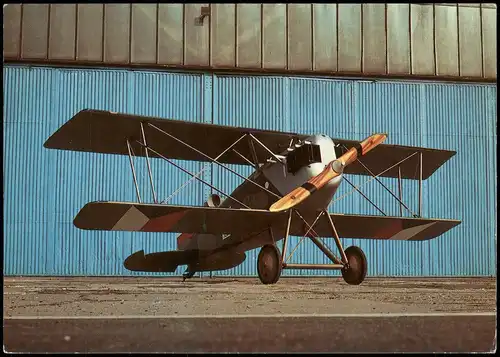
[106, 132]
[186, 219]
[385, 155]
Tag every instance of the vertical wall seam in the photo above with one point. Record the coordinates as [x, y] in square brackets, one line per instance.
[386, 40]
[236, 59]
[287, 38]
[103, 54]
[482, 40]
[361, 65]
[410, 42]
[261, 35]
[434, 37]
[210, 60]
[458, 40]
[184, 24]
[20, 54]
[313, 25]
[157, 47]
[48, 31]
[77, 9]
[130, 31]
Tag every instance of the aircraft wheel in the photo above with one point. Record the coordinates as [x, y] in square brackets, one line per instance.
[358, 266]
[269, 264]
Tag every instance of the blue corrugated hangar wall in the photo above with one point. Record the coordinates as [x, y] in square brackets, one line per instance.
[44, 189]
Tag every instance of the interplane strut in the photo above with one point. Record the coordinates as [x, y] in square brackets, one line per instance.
[399, 183]
[206, 166]
[214, 161]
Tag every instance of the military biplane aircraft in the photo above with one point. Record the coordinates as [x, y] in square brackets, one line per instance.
[295, 178]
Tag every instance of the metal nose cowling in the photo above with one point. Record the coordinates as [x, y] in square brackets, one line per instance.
[334, 169]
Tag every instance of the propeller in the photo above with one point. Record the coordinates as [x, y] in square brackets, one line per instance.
[332, 170]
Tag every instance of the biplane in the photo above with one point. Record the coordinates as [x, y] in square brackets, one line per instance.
[294, 180]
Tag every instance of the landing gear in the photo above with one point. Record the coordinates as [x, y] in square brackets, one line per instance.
[352, 264]
[269, 264]
[355, 271]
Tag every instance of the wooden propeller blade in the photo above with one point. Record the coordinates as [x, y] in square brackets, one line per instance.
[363, 148]
[299, 194]
[332, 170]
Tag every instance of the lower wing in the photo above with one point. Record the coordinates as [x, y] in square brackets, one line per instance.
[137, 217]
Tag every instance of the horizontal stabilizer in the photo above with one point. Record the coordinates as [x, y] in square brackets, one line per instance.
[161, 262]
[222, 260]
[194, 219]
[106, 132]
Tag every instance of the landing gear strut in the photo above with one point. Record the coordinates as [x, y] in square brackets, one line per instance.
[353, 264]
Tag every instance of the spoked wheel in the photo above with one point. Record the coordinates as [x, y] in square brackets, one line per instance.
[269, 264]
[355, 273]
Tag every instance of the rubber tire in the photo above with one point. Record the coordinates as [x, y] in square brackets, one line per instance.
[358, 266]
[269, 277]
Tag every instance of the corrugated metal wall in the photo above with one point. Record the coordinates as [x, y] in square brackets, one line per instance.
[444, 116]
[44, 189]
[410, 40]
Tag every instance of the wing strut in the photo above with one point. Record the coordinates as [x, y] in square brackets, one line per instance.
[244, 158]
[133, 170]
[399, 182]
[212, 160]
[362, 194]
[276, 157]
[254, 153]
[193, 175]
[149, 166]
[420, 187]
[205, 167]
[374, 177]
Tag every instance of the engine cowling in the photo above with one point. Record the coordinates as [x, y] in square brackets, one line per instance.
[213, 201]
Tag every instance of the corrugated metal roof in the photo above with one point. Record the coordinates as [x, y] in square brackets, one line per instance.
[45, 188]
[410, 40]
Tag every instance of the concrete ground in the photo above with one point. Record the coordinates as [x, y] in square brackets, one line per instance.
[354, 333]
[242, 315]
[31, 296]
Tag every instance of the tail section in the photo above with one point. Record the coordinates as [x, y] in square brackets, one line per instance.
[161, 262]
[219, 261]
[167, 262]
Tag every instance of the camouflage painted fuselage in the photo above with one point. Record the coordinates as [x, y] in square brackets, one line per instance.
[227, 251]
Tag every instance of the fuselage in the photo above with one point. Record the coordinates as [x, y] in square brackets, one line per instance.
[277, 179]
[285, 181]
